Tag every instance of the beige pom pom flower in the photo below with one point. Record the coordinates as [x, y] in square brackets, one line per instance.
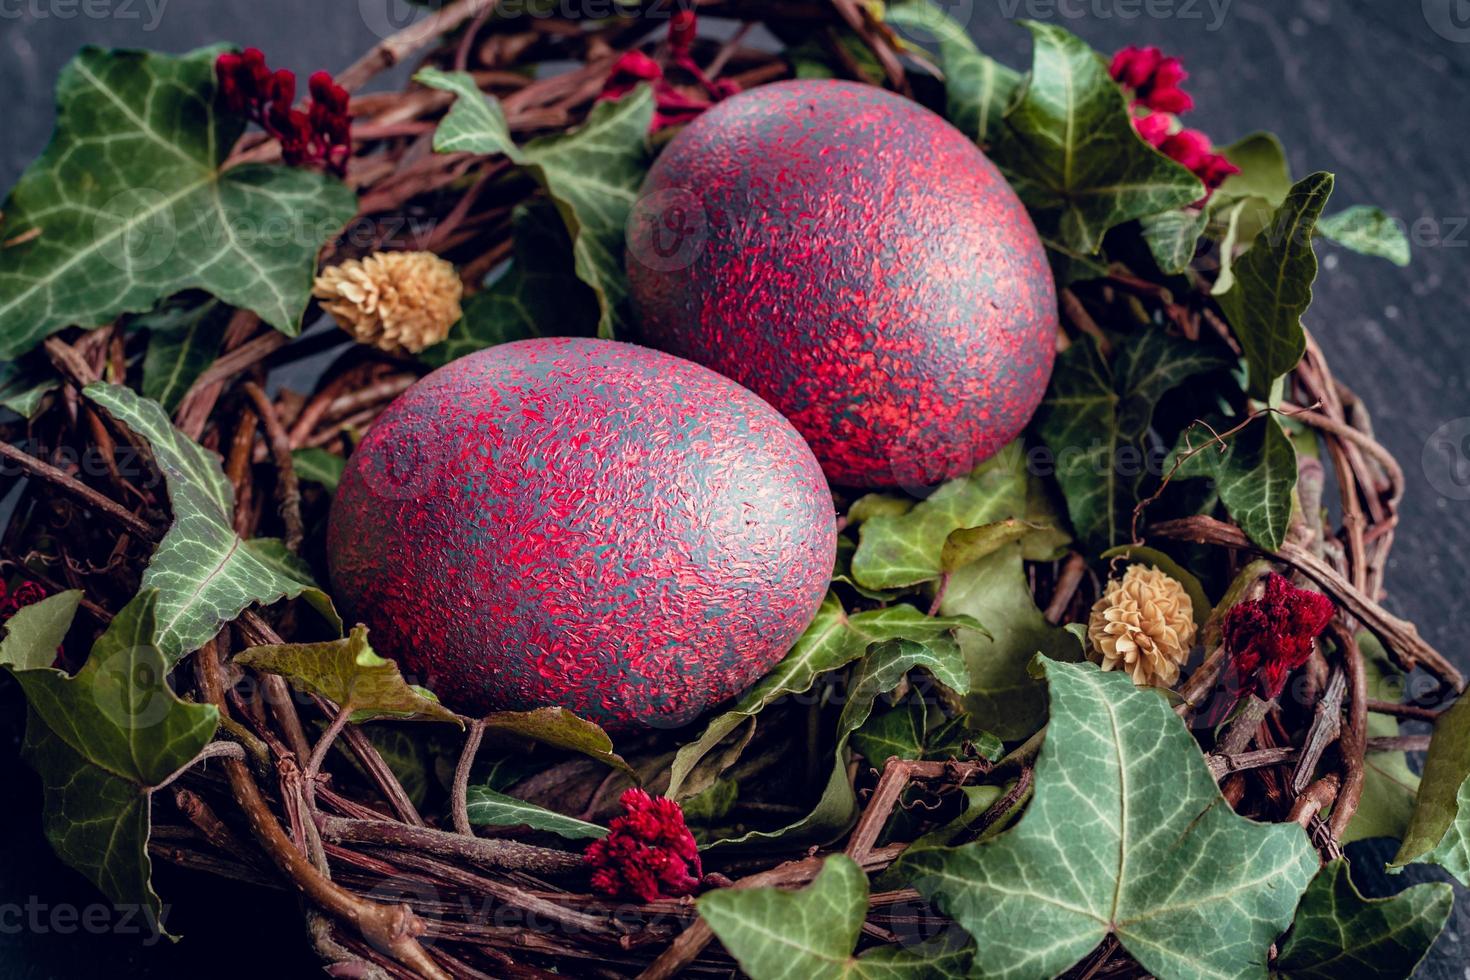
[399, 302]
[1144, 624]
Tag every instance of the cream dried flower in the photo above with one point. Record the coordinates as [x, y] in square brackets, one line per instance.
[1144, 624]
[399, 302]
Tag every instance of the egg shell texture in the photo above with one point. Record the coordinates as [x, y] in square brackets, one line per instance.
[584, 524]
[860, 264]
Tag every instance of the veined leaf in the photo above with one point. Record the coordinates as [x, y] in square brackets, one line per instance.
[1439, 830]
[1173, 236]
[1255, 477]
[319, 466]
[1124, 837]
[1070, 149]
[1096, 415]
[1339, 933]
[1367, 231]
[1264, 173]
[1273, 286]
[978, 90]
[349, 674]
[810, 934]
[834, 639]
[592, 174]
[25, 381]
[560, 728]
[184, 335]
[131, 205]
[537, 294]
[486, 807]
[205, 575]
[103, 739]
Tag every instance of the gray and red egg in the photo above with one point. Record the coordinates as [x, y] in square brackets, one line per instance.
[859, 263]
[584, 524]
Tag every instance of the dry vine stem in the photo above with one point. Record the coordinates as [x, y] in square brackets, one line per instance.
[286, 813]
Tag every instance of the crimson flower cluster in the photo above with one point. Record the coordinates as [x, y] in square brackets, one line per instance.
[648, 853]
[673, 106]
[1153, 81]
[1267, 638]
[320, 135]
[12, 600]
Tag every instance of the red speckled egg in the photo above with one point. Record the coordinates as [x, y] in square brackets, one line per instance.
[583, 524]
[855, 260]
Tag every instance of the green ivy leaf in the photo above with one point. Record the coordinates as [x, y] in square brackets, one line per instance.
[834, 639]
[810, 934]
[1172, 236]
[538, 293]
[1439, 830]
[1339, 933]
[1264, 173]
[24, 382]
[486, 807]
[1003, 696]
[103, 739]
[316, 465]
[1095, 418]
[1072, 153]
[184, 337]
[1273, 286]
[978, 90]
[962, 520]
[1255, 477]
[1124, 837]
[560, 728]
[205, 575]
[132, 206]
[351, 675]
[898, 731]
[592, 174]
[1367, 231]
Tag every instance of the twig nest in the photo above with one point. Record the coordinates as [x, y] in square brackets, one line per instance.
[400, 302]
[1144, 624]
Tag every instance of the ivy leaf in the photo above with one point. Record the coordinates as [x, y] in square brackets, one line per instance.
[205, 575]
[1439, 830]
[486, 807]
[103, 739]
[1264, 172]
[538, 293]
[957, 522]
[834, 639]
[351, 675]
[1255, 477]
[1389, 785]
[1172, 237]
[811, 933]
[1002, 694]
[896, 731]
[1070, 149]
[1340, 933]
[978, 90]
[131, 205]
[592, 174]
[1095, 418]
[560, 728]
[1127, 835]
[316, 465]
[1273, 286]
[184, 337]
[24, 382]
[1367, 231]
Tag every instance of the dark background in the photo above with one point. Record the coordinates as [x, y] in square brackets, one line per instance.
[1374, 90]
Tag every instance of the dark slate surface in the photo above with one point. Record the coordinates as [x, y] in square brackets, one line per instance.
[1372, 89]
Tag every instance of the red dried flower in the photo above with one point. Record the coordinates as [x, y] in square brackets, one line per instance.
[672, 106]
[648, 853]
[320, 136]
[1154, 127]
[1154, 78]
[1267, 638]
